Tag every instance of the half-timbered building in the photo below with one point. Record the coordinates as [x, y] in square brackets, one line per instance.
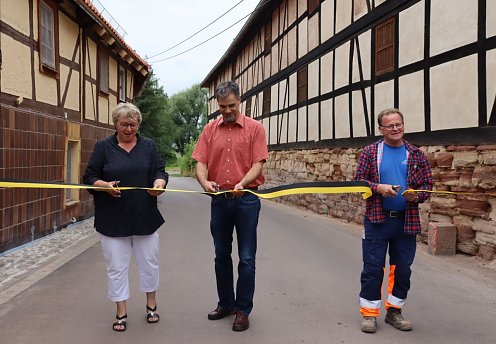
[317, 72]
[63, 67]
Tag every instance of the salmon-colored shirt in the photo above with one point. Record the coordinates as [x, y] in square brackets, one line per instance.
[230, 150]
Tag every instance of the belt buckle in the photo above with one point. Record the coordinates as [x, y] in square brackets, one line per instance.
[229, 195]
[393, 213]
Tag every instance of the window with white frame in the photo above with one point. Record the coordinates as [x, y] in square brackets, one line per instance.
[122, 84]
[47, 17]
[103, 71]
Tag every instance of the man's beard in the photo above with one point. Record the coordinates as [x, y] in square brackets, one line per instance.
[230, 118]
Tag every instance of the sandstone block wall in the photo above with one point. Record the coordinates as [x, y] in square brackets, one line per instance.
[470, 170]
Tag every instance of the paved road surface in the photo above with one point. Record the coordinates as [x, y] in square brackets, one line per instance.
[307, 285]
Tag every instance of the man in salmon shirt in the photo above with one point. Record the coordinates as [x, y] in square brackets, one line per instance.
[230, 154]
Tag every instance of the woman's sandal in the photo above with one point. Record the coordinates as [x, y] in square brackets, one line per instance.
[151, 316]
[120, 324]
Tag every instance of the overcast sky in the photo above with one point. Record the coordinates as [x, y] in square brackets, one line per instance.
[153, 26]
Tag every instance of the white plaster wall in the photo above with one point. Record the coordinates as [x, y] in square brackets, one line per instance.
[284, 55]
[265, 123]
[302, 124]
[284, 127]
[343, 14]
[313, 122]
[303, 38]
[411, 34]
[302, 7]
[283, 96]
[16, 14]
[291, 12]
[313, 79]
[267, 67]
[491, 80]
[275, 58]
[15, 77]
[292, 126]
[360, 9]
[327, 21]
[68, 36]
[91, 61]
[342, 65]
[342, 117]
[384, 96]
[454, 94]
[491, 18]
[452, 25]
[313, 32]
[46, 86]
[73, 93]
[103, 111]
[326, 119]
[292, 44]
[293, 89]
[411, 101]
[274, 97]
[326, 73]
[359, 126]
[364, 41]
[260, 103]
[273, 130]
[90, 105]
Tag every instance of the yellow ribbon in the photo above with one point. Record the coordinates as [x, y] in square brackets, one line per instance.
[292, 189]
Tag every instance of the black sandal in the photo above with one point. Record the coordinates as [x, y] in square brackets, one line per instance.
[121, 321]
[151, 314]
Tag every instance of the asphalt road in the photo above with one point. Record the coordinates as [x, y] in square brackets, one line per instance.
[308, 270]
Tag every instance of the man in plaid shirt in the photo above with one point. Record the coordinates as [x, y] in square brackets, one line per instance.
[392, 218]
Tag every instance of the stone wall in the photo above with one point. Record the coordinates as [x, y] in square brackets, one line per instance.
[467, 169]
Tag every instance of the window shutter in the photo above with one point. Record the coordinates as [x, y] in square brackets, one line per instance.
[266, 101]
[302, 81]
[384, 42]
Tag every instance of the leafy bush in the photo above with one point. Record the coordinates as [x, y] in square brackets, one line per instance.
[186, 162]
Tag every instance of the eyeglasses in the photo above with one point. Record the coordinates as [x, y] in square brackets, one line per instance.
[130, 125]
[392, 126]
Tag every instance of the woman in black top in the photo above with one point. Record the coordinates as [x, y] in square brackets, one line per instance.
[128, 221]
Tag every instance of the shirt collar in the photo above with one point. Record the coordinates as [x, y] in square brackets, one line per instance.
[239, 121]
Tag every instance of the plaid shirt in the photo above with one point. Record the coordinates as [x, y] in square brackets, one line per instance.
[419, 176]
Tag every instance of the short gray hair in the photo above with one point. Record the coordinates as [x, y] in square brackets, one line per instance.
[127, 110]
[388, 112]
[224, 89]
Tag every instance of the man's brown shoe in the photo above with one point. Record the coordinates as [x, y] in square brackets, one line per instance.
[241, 322]
[219, 313]
[394, 317]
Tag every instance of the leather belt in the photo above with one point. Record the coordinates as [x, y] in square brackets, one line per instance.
[392, 213]
[239, 194]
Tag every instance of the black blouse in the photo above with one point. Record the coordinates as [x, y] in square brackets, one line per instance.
[135, 212]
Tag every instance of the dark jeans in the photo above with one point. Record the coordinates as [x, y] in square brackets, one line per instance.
[242, 213]
[402, 247]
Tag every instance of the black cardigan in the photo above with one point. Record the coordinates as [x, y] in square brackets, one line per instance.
[135, 212]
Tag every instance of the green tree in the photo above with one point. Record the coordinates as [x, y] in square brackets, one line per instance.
[157, 123]
[188, 110]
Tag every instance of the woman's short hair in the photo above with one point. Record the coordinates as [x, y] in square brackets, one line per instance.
[388, 112]
[224, 89]
[126, 110]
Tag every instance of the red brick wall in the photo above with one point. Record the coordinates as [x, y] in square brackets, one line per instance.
[33, 147]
